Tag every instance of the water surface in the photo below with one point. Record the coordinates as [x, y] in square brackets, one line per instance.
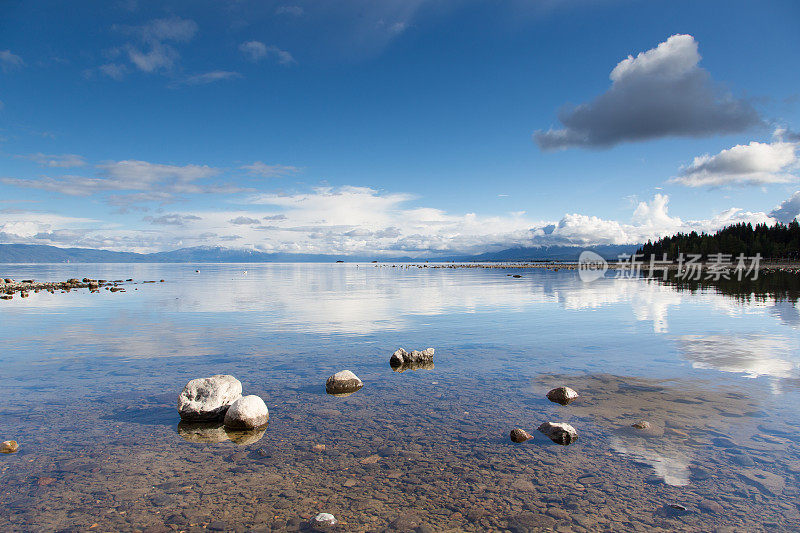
[90, 383]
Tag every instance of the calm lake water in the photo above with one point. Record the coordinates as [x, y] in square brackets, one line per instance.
[90, 383]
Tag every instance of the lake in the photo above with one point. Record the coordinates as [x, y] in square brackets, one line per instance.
[90, 385]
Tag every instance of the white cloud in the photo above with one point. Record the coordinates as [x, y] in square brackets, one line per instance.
[172, 219]
[788, 210]
[295, 11]
[744, 164]
[57, 161]
[240, 221]
[210, 77]
[661, 92]
[9, 61]
[158, 182]
[115, 71]
[154, 53]
[256, 51]
[259, 168]
[355, 220]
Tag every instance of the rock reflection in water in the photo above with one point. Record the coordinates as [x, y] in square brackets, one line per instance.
[215, 432]
[418, 365]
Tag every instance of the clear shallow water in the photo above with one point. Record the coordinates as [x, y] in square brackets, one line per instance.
[90, 383]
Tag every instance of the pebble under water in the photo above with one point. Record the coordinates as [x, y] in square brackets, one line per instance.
[90, 385]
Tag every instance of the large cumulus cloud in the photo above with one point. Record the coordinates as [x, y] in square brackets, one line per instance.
[661, 92]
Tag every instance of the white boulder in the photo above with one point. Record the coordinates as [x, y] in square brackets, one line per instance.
[343, 383]
[208, 398]
[248, 412]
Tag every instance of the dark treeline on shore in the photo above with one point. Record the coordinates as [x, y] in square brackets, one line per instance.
[776, 286]
[781, 241]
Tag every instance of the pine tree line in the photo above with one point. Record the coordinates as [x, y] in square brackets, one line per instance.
[781, 241]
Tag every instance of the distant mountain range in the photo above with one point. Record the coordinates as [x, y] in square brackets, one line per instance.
[36, 253]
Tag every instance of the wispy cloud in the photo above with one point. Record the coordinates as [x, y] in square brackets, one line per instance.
[256, 51]
[259, 168]
[295, 11]
[148, 182]
[56, 161]
[209, 77]
[9, 61]
[154, 51]
[172, 219]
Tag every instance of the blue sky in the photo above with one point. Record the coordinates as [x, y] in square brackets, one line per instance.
[394, 126]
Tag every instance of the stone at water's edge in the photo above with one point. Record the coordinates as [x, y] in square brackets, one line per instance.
[344, 382]
[404, 358]
[248, 412]
[641, 424]
[520, 435]
[559, 432]
[9, 446]
[208, 398]
[562, 395]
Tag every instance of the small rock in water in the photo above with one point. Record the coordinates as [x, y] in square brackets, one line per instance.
[402, 358]
[9, 446]
[562, 395]
[343, 383]
[641, 424]
[520, 435]
[324, 519]
[248, 412]
[559, 432]
[319, 447]
[208, 398]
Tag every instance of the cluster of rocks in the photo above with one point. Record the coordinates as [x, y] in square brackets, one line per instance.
[213, 410]
[402, 360]
[559, 432]
[9, 287]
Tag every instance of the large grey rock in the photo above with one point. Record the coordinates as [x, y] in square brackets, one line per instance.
[343, 383]
[248, 412]
[208, 398]
[402, 358]
[559, 432]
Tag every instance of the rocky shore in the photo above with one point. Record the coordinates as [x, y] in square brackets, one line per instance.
[10, 287]
[766, 267]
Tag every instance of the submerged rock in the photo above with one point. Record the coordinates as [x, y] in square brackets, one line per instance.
[206, 399]
[343, 383]
[520, 435]
[559, 432]
[248, 412]
[562, 395]
[202, 432]
[9, 446]
[324, 519]
[402, 358]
